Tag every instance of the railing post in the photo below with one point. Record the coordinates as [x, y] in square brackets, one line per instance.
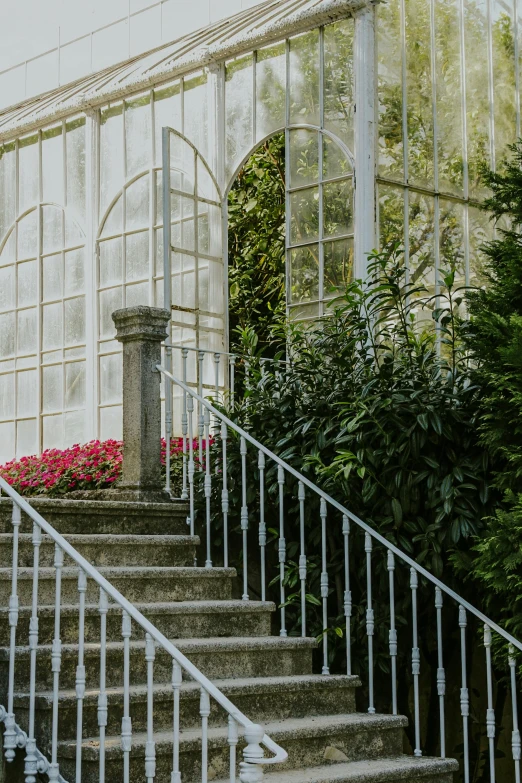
[141, 330]
[251, 770]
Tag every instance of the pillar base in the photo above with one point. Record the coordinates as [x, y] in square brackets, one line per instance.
[126, 494]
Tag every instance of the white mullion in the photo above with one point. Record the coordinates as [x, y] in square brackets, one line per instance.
[321, 171]
[152, 204]
[288, 253]
[464, 113]
[64, 245]
[517, 66]
[92, 185]
[254, 97]
[196, 243]
[405, 144]
[491, 88]
[15, 369]
[39, 297]
[124, 208]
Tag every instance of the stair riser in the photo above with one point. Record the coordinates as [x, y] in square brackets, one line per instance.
[137, 588]
[214, 664]
[303, 752]
[174, 626]
[269, 706]
[100, 555]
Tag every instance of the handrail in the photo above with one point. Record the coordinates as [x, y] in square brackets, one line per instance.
[280, 754]
[345, 511]
[231, 354]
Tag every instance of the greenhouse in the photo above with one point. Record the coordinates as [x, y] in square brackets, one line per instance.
[389, 111]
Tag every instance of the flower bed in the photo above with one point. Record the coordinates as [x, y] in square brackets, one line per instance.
[94, 465]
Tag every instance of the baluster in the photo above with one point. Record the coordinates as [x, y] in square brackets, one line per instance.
[208, 487]
[177, 678]
[247, 379]
[191, 469]
[224, 493]
[217, 362]
[464, 693]
[324, 586]
[150, 747]
[168, 416]
[80, 674]
[232, 366]
[262, 523]
[415, 659]
[393, 630]
[233, 739]
[31, 760]
[251, 770]
[302, 556]
[347, 594]
[515, 737]
[10, 744]
[441, 674]
[102, 697]
[490, 715]
[370, 619]
[56, 661]
[126, 723]
[244, 516]
[282, 547]
[201, 418]
[204, 711]
[184, 425]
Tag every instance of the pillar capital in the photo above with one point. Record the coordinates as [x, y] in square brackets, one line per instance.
[141, 324]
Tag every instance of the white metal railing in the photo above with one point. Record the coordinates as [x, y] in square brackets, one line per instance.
[345, 516]
[251, 768]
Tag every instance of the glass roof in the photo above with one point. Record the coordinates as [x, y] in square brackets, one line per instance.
[268, 21]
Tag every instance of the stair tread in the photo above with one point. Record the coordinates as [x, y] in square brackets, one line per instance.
[166, 607]
[277, 730]
[107, 538]
[188, 572]
[383, 770]
[241, 684]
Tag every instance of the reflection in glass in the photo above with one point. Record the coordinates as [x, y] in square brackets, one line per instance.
[26, 327]
[195, 114]
[27, 236]
[75, 385]
[137, 134]
[75, 144]
[304, 274]
[239, 108]
[480, 231]
[7, 187]
[52, 326]
[137, 256]
[338, 267]
[137, 204]
[421, 241]
[504, 79]
[7, 287]
[111, 154]
[338, 208]
[270, 90]
[304, 157]
[338, 80]
[167, 113]
[74, 316]
[419, 81]
[27, 283]
[52, 384]
[304, 79]
[27, 173]
[389, 51]
[52, 277]
[52, 229]
[111, 262]
[52, 165]
[451, 240]
[391, 215]
[304, 215]
[477, 94]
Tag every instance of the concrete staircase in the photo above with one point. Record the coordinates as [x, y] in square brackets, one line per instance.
[143, 550]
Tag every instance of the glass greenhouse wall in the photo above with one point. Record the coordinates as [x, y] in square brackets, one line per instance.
[81, 219]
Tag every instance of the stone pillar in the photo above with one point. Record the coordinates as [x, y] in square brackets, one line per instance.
[141, 330]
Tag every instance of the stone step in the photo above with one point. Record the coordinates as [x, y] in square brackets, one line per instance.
[217, 658]
[355, 736]
[176, 619]
[136, 584]
[105, 550]
[102, 516]
[399, 768]
[268, 698]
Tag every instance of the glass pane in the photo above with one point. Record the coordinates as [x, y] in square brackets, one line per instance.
[52, 388]
[304, 79]
[7, 335]
[110, 378]
[195, 116]
[52, 166]
[480, 231]
[391, 216]
[206, 186]
[74, 427]
[449, 97]
[183, 281]
[304, 157]
[7, 396]
[137, 294]
[304, 312]
[52, 229]
[137, 198]
[270, 90]
[422, 254]
[304, 274]
[27, 338]
[338, 267]
[74, 235]
[28, 236]
[419, 81]
[27, 283]
[7, 288]
[503, 36]
[209, 229]
[111, 154]
[8, 253]
[74, 321]
[451, 241]
[74, 272]
[111, 423]
[182, 164]
[335, 161]
[75, 385]
[26, 438]
[110, 300]
[52, 277]
[28, 173]
[137, 256]
[52, 432]
[167, 113]
[7, 442]
[26, 398]
[75, 143]
[111, 264]
[239, 103]
[304, 215]
[477, 93]
[7, 188]
[338, 80]
[389, 50]
[138, 134]
[114, 221]
[52, 326]
[338, 208]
